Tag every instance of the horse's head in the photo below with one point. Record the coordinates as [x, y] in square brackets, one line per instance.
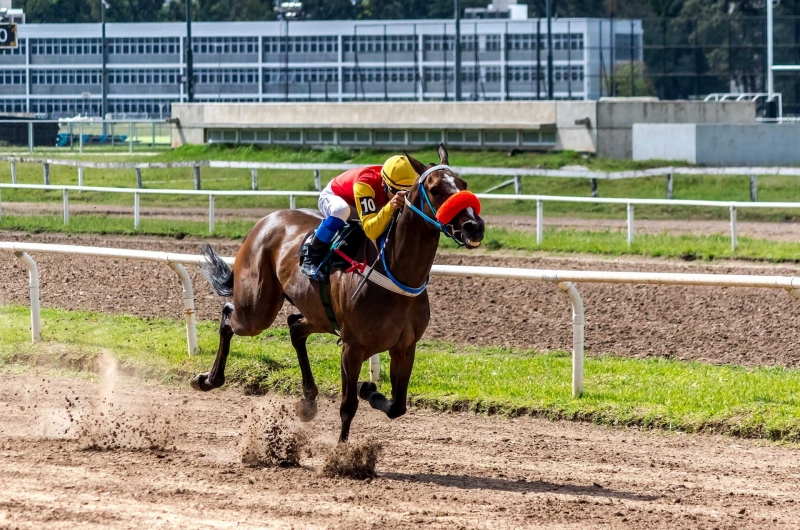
[457, 209]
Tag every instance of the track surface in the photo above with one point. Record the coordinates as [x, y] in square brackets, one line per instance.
[742, 326]
[436, 471]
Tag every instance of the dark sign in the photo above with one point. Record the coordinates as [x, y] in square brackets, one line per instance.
[8, 35]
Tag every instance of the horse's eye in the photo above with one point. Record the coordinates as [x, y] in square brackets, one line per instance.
[434, 191]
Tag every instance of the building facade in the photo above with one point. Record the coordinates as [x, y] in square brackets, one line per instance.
[57, 68]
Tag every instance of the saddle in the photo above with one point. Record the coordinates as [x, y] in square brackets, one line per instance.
[347, 251]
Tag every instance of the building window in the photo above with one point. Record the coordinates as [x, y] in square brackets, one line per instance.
[530, 138]
[390, 137]
[250, 136]
[224, 45]
[500, 137]
[354, 137]
[464, 137]
[216, 136]
[142, 46]
[426, 137]
[286, 136]
[319, 136]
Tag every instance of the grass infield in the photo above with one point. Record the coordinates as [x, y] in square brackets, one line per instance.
[660, 394]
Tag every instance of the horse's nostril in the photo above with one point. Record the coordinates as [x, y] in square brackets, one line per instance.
[470, 227]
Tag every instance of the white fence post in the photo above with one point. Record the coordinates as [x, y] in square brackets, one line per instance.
[80, 176]
[517, 185]
[13, 172]
[292, 202]
[30, 136]
[80, 138]
[317, 180]
[139, 183]
[210, 214]
[630, 224]
[539, 221]
[65, 196]
[130, 140]
[136, 211]
[33, 282]
[734, 230]
[578, 319]
[46, 167]
[375, 368]
[188, 305]
[253, 178]
[753, 188]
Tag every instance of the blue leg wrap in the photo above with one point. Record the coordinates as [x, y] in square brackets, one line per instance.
[328, 228]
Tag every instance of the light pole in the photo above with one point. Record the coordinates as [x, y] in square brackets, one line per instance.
[104, 102]
[189, 57]
[549, 50]
[287, 11]
[457, 48]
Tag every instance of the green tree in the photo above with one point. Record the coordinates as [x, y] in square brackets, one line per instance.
[632, 81]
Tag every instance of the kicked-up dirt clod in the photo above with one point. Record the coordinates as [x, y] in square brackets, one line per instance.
[352, 460]
[270, 437]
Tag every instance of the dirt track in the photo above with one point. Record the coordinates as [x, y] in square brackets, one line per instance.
[743, 326]
[436, 471]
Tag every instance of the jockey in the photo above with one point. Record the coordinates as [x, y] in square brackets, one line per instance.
[375, 192]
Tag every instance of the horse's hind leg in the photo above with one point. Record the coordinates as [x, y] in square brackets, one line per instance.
[216, 377]
[299, 330]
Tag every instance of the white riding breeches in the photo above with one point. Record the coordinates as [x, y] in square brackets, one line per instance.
[331, 205]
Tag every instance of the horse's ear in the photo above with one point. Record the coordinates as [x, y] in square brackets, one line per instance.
[418, 166]
[443, 155]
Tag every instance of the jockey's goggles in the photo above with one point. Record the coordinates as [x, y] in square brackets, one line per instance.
[398, 174]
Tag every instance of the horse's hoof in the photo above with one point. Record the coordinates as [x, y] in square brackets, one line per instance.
[366, 389]
[200, 382]
[306, 410]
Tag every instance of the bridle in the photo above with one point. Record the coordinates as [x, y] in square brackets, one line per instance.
[446, 229]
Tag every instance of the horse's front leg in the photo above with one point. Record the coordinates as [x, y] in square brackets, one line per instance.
[402, 362]
[352, 359]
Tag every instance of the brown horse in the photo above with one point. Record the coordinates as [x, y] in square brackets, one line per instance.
[266, 272]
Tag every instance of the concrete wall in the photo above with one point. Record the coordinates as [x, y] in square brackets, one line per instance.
[720, 144]
[665, 141]
[615, 119]
[604, 127]
[195, 118]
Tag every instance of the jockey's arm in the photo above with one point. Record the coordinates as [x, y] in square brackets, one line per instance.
[373, 221]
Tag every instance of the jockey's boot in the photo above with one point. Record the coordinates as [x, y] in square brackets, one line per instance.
[313, 253]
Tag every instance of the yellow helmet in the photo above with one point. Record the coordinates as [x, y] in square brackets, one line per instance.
[398, 173]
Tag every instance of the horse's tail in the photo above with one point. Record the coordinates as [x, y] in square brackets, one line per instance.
[217, 272]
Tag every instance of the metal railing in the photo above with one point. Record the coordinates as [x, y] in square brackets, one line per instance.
[563, 280]
[86, 134]
[515, 174]
[732, 206]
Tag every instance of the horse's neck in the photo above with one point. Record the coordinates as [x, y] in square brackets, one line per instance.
[411, 249]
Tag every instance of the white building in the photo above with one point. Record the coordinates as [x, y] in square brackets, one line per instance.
[57, 68]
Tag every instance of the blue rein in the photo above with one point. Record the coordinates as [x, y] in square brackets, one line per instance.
[438, 225]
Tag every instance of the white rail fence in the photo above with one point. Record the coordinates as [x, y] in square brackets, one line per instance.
[731, 206]
[563, 280]
[515, 174]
